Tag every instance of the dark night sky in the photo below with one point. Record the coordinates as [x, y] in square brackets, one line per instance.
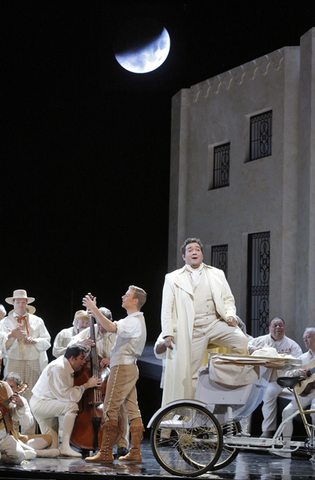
[85, 146]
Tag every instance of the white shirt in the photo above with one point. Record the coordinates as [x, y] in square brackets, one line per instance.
[17, 413]
[285, 345]
[104, 341]
[56, 383]
[131, 337]
[37, 331]
[62, 340]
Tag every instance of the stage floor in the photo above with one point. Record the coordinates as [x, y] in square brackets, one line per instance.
[247, 466]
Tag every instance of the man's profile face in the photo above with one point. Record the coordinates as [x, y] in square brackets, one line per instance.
[127, 299]
[193, 255]
[277, 329]
[13, 385]
[78, 362]
[20, 305]
[309, 339]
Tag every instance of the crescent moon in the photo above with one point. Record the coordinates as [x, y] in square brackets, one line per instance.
[149, 57]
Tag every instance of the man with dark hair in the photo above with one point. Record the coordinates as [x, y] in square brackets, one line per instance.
[198, 308]
[54, 395]
[121, 386]
[277, 339]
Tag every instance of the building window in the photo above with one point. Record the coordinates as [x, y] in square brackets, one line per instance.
[258, 283]
[260, 135]
[219, 257]
[221, 166]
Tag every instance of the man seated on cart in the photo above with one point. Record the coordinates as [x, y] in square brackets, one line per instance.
[307, 396]
[284, 345]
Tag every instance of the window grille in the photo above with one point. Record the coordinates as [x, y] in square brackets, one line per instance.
[221, 166]
[219, 257]
[260, 135]
[258, 283]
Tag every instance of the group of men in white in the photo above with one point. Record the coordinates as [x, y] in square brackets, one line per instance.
[198, 311]
[51, 391]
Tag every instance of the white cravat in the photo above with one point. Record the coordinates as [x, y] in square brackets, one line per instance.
[195, 273]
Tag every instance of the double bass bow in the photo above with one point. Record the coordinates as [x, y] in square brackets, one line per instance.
[87, 432]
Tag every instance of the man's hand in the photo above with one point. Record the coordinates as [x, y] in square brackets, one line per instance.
[93, 382]
[105, 362]
[17, 333]
[29, 341]
[168, 342]
[88, 302]
[301, 372]
[17, 400]
[231, 321]
[87, 342]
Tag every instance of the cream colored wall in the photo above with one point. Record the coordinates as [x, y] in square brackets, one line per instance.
[262, 195]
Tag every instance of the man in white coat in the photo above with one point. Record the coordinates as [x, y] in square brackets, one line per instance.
[197, 308]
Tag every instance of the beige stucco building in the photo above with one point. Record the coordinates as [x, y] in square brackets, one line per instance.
[253, 126]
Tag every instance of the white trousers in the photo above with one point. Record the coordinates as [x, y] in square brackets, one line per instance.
[269, 408]
[45, 413]
[11, 451]
[217, 332]
[292, 407]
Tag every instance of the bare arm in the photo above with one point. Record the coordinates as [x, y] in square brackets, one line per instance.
[91, 305]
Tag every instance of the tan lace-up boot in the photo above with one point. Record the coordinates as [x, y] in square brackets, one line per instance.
[134, 455]
[105, 455]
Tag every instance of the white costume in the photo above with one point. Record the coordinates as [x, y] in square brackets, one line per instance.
[309, 399]
[54, 395]
[62, 340]
[160, 356]
[269, 409]
[25, 360]
[121, 386]
[194, 311]
[11, 450]
[104, 341]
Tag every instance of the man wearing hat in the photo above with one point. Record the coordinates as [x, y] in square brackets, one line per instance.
[23, 355]
[64, 337]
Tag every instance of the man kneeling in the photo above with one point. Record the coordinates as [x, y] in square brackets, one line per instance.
[55, 395]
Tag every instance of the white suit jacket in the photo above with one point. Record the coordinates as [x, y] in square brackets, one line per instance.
[177, 318]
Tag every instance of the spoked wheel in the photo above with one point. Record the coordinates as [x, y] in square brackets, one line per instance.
[186, 439]
[228, 454]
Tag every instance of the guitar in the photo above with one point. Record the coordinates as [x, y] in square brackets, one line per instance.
[4, 406]
[308, 384]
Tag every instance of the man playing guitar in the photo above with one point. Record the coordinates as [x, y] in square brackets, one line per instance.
[11, 408]
[307, 390]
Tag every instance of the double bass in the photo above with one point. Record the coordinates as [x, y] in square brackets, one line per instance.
[87, 432]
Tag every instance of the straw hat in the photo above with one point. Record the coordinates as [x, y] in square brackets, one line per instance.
[19, 294]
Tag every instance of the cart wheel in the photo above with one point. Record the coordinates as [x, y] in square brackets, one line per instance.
[186, 439]
[228, 454]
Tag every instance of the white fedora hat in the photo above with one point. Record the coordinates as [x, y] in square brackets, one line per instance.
[19, 294]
